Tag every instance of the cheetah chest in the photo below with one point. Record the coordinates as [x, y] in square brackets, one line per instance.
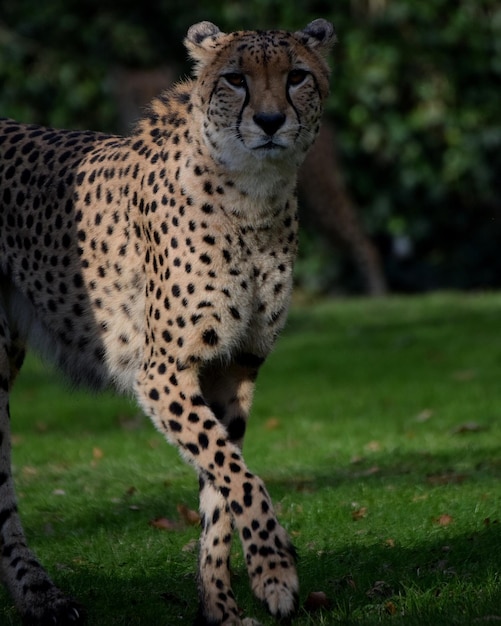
[225, 294]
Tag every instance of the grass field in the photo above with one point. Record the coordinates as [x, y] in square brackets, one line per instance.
[377, 428]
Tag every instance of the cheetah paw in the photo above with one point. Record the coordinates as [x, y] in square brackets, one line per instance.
[272, 571]
[64, 612]
[280, 597]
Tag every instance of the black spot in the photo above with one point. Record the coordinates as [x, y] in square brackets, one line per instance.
[219, 459]
[236, 508]
[175, 426]
[248, 500]
[78, 280]
[167, 336]
[173, 380]
[210, 337]
[194, 449]
[215, 516]
[176, 408]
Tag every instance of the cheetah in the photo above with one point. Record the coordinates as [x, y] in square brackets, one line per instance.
[161, 264]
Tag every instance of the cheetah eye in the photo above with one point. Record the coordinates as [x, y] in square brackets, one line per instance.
[235, 79]
[296, 77]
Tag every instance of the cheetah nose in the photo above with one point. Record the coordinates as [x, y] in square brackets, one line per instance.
[269, 122]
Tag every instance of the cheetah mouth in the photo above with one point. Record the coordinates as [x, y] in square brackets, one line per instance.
[269, 146]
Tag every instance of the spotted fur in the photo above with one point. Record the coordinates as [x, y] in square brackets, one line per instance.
[161, 264]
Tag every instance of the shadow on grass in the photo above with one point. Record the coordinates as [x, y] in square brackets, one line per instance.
[452, 579]
[424, 585]
[455, 467]
[435, 582]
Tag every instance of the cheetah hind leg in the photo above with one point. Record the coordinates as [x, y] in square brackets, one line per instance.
[37, 599]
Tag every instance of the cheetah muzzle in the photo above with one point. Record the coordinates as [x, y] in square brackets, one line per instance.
[161, 264]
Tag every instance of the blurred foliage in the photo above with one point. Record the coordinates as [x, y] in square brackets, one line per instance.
[415, 98]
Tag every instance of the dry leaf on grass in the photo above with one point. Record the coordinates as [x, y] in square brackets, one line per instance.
[370, 471]
[163, 523]
[380, 589]
[190, 517]
[359, 513]
[316, 600]
[29, 471]
[272, 423]
[468, 427]
[447, 478]
[443, 520]
[186, 515]
[390, 608]
[464, 376]
[424, 416]
[131, 422]
[97, 455]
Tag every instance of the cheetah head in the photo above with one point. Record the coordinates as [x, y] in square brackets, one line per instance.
[260, 93]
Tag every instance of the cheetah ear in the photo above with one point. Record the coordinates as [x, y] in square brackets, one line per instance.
[201, 40]
[319, 35]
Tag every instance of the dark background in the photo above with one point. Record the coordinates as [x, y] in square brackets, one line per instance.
[415, 108]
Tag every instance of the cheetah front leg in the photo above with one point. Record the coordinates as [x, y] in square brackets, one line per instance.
[228, 390]
[36, 597]
[182, 412]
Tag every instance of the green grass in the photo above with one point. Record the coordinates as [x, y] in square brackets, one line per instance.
[376, 426]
